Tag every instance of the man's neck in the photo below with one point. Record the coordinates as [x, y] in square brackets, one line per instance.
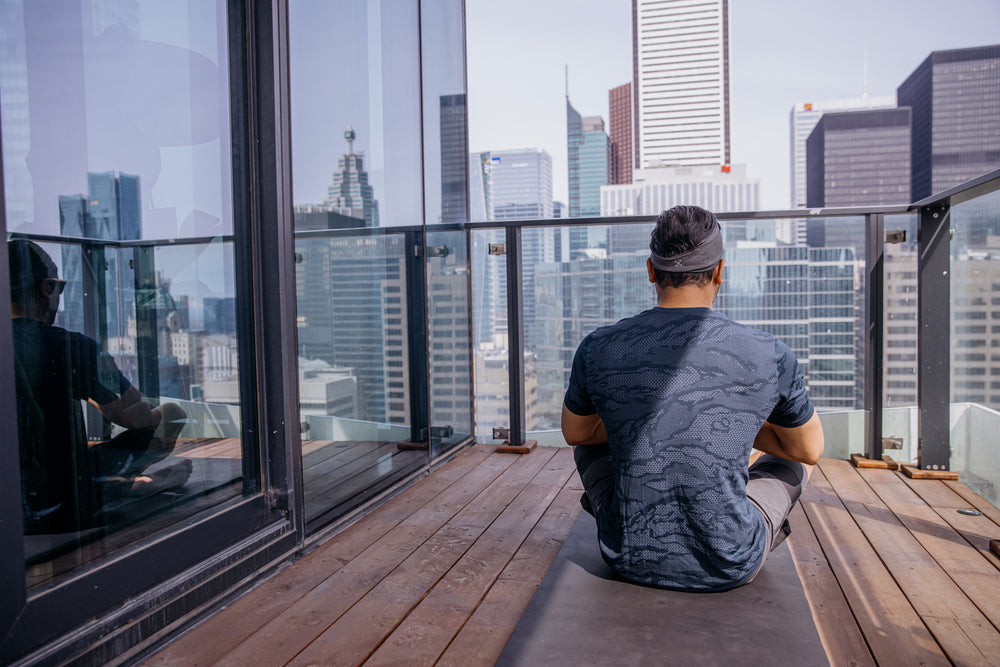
[686, 296]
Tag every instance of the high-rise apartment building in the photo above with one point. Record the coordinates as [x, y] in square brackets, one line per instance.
[681, 82]
[803, 118]
[955, 98]
[620, 132]
[857, 158]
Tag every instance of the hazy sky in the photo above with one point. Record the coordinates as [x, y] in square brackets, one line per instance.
[782, 53]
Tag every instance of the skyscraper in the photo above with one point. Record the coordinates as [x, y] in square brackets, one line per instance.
[454, 159]
[350, 193]
[620, 132]
[802, 120]
[110, 212]
[595, 162]
[681, 82]
[953, 95]
[574, 139]
[857, 158]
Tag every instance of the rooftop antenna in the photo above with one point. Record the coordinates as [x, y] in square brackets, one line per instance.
[567, 81]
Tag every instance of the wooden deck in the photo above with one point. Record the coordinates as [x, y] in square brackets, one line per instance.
[441, 573]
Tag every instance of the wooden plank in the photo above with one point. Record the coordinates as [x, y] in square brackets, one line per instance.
[976, 500]
[222, 632]
[973, 576]
[891, 627]
[917, 473]
[978, 531]
[298, 623]
[936, 493]
[838, 630]
[354, 635]
[484, 635]
[425, 633]
[869, 496]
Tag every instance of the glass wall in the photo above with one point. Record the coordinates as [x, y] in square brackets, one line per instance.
[119, 213]
[379, 179]
[900, 417]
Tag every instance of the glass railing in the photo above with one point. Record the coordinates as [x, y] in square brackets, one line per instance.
[853, 322]
[163, 318]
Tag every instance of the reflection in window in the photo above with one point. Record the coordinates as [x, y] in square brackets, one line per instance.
[116, 154]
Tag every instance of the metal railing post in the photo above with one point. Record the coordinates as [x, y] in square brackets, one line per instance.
[515, 337]
[874, 324]
[934, 327]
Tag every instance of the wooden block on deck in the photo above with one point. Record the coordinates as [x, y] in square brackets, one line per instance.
[507, 448]
[887, 463]
[916, 473]
[409, 444]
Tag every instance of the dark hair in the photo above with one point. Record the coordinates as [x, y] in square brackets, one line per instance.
[679, 230]
[29, 265]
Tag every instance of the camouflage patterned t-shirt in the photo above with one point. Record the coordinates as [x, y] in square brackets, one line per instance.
[682, 393]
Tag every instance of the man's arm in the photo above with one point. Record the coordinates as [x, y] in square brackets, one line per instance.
[130, 411]
[583, 429]
[800, 443]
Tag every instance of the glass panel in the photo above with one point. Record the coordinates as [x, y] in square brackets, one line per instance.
[900, 416]
[975, 343]
[810, 295]
[116, 153]
[356, 137]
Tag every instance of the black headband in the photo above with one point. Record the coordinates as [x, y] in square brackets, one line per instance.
[702, 257]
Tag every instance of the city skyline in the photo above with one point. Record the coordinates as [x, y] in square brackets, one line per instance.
[516, 98]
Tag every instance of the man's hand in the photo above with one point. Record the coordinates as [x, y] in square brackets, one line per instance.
[583, 429]
[800, 443]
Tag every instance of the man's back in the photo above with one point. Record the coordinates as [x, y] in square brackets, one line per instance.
[682, 393]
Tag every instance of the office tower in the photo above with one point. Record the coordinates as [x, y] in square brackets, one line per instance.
[454, 159]
[574, 140]
[519, 184]
[350, 193]
[110, 212]
[620, 132]
[953, 95]
[654, 190]
[858, 158]
[681, 82]
[595, 162]
[802, 120]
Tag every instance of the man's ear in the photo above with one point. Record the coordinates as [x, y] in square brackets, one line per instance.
[717, 273]
[650, 271]
[46, 287]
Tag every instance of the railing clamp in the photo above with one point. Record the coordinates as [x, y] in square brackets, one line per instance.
[895, 236]
[431, 251]
[498, 249]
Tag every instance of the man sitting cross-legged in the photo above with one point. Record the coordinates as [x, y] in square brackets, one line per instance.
[664, 409]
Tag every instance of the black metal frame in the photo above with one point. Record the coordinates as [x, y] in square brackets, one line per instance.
[158, 584]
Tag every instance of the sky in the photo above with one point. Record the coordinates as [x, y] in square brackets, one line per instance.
[783, 52]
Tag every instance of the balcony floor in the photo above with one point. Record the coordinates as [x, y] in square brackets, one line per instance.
[441, 573]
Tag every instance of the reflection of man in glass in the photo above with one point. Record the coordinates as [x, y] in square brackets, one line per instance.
[64, 481]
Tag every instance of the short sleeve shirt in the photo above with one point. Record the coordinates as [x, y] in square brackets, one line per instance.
[682, 394]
